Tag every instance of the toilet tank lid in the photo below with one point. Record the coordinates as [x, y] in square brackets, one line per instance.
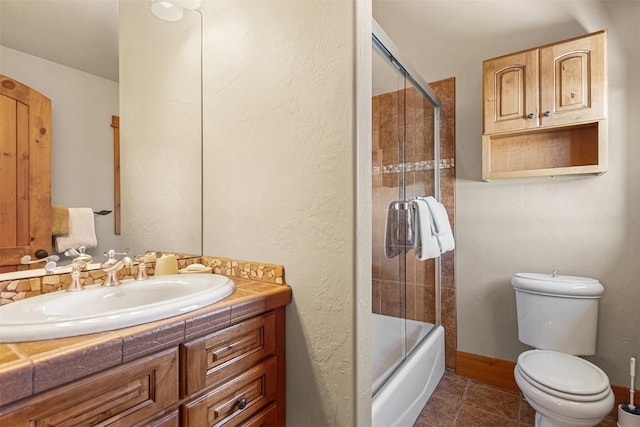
[549, 284]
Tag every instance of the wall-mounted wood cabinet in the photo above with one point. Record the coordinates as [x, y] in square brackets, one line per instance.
[545, 110]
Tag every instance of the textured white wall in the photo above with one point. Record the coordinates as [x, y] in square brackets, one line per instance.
[279, 178]
[587, 226]
[82, 138]
[160, 130]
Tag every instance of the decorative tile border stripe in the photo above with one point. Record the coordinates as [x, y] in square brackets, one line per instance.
[269, 273]
[423, 165]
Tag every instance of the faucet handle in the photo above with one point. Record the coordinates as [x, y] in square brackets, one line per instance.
[111, 254]
[82, 257]
[73, 252]
[76, 285]
[142, 267]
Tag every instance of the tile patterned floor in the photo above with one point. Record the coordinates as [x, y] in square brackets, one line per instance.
[463, 402]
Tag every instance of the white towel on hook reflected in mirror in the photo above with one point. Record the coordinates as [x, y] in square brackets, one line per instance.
[82, 231]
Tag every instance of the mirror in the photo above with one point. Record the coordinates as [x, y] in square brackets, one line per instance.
[161, 130]
[160, 75]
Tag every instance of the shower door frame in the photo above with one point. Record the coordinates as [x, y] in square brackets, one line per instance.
[387, 48]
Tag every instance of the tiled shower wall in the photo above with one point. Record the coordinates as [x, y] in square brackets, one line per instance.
[418, 302]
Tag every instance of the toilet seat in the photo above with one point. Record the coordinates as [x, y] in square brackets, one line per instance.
[563, 375]
[561, 411]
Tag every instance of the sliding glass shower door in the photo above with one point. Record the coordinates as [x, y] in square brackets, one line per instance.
[389, 265]
[405, 292]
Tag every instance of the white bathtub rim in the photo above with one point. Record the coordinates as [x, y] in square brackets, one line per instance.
[399, 402]
[388, 344]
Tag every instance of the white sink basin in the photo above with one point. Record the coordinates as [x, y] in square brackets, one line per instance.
[99, 309]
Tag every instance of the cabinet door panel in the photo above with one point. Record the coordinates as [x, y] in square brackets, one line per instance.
[572, 81]
[511, 92]
[120, 396]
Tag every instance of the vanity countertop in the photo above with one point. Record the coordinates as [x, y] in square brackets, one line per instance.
[28, 368]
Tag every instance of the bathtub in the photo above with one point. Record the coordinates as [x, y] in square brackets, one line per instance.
[401, 389]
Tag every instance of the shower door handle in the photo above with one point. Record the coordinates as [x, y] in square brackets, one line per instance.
[410, 220]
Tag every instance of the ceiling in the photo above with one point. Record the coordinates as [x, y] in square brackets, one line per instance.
[81, 34]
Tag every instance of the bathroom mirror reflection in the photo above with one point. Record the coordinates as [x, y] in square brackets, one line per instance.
[82, 71]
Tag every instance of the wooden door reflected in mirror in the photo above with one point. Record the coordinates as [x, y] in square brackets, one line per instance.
[25, 173]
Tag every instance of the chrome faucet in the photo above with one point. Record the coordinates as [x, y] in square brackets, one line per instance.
[112, 266]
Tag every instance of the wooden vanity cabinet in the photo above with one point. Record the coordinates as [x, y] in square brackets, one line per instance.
[536, 105]
[234, 376]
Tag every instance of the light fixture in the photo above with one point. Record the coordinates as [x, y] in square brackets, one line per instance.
[171, 10]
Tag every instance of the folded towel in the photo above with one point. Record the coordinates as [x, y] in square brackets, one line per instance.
[426, 242]
[59, 220]
[81, 231]
[442, 227]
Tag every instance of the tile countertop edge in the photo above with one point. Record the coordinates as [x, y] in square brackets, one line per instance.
[250, 298]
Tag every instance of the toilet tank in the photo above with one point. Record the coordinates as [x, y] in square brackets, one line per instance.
[557, 312]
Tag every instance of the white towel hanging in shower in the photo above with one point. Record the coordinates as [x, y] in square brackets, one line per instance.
[441, 225]
[426, 242]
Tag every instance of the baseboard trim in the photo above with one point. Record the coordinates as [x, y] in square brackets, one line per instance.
[486, 369]
[499, 372]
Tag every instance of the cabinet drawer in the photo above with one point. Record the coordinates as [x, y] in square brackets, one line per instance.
[234, 402]
[118, 397]
[214, 358]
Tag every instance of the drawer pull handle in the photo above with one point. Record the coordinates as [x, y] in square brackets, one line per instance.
[242, 403]
[531, 116]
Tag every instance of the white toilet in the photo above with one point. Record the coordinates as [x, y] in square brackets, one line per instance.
[558, 315]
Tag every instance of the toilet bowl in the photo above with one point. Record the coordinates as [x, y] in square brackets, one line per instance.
[558, 316]
[565, 390]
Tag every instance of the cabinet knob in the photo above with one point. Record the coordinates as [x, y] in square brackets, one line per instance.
[41, 253]
[531, 116]
[242, 403]
[547, 114]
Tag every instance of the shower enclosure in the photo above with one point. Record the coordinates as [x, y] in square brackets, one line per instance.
[408, 343]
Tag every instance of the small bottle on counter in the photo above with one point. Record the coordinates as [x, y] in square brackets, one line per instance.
[166, 264]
